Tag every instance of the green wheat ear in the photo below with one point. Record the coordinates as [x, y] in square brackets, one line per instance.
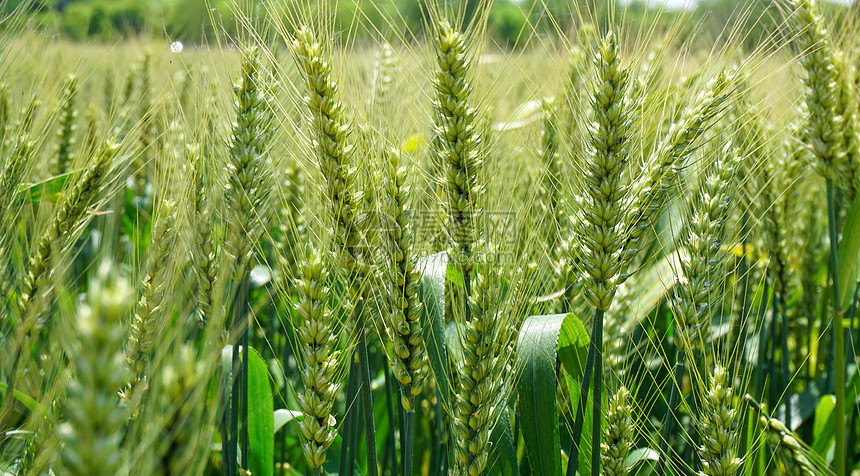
[92, 431]
[601, 204]
[68, 218]
[618, 436]
[149, 312]
[717, 428]
[409, 357]
[848, 109]
[824, 124]
[335, 156]
[317, 332]
[456, 141]
[481, 381]
[248, 170]
[68, 115]
[203, 255]
[792, 455]
[663, 169]
[703, 262]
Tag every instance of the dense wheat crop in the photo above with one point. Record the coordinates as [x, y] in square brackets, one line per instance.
[626, 247]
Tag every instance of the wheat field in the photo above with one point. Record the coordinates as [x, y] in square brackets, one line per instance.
[620, 247]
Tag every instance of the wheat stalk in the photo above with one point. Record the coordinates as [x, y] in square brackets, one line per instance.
[824, 133]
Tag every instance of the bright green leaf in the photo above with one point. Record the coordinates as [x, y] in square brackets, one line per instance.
[261, 457]
[822, 412]
[572, 345]
[50, 187]
[848, 254]
[537, 353]
[432, 294]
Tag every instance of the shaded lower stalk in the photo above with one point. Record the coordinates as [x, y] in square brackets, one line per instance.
[239, 400]
[366, 394]
[389, 407]
[410, 438]
[762, 342]
[573, 461]
[785, 360]
[669, 422]
[839, 361]
[597, 396]
[773, 386]
[349, 421]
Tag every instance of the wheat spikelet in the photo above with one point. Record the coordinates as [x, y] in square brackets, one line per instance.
[818, 57]
[847, 108]
[617, 436]
[552, 199]
[28, 115]
[20, 153]
[480, 376]
[649, 195]
[600, 207]
[68, 115]
[702, 264]
[405, 307]
[67, 218]
[146, 319]
[386, 69]
[334, 153]
[321, 360]
[203, 252]
[92, 431]
[793, 457]
[456, 141]
[719, 438]
[291, 222]
[248, 169]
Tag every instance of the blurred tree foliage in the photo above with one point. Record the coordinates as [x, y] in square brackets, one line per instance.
[195, 21]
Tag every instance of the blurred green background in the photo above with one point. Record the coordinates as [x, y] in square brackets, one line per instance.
[191, 21]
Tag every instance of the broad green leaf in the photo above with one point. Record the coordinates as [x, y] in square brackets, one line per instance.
[50, 187]
[261, 425]
[432, 293]
[454, 275]
[848, 254]
[284, 416]
[453, 331]
[537, 354]
[261, 432]
[822, 412]
[820, 444]
[572, 345]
